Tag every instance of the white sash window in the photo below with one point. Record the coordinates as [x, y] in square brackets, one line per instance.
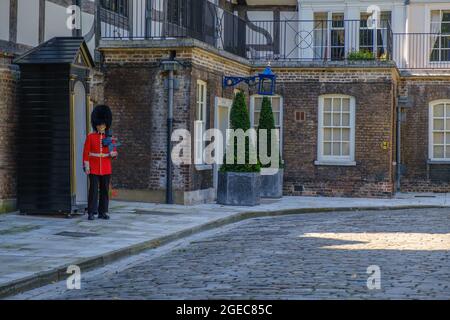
[336, 136]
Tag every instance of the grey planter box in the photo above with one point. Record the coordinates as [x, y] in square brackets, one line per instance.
[239, 188]
[271, 184]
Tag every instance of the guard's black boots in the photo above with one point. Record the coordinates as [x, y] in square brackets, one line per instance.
[103, 216]
[91, 216]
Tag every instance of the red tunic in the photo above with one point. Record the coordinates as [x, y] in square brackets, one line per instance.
[96, 156]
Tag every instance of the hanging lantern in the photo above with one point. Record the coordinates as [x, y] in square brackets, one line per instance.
[267, 81]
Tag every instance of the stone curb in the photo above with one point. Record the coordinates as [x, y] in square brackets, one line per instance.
[59, 274]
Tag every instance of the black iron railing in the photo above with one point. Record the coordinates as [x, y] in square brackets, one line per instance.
[318, 40]
[422, 50]
[284, 40]
[166, 19]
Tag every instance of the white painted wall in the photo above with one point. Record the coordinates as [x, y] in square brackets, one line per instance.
[28, 22]
[4, 20]
[55, 21]
[139, 18]
[87, 22]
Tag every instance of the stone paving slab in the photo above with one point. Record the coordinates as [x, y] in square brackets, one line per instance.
[33, 253]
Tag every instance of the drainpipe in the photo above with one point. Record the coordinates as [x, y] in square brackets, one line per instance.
[398, 148]
[170, 65]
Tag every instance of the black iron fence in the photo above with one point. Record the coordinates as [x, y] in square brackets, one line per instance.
[422, 50]
[318, 40]
[166, 19]
[296, 40]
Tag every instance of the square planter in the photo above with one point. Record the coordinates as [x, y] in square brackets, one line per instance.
[239, 188]
[271, 183]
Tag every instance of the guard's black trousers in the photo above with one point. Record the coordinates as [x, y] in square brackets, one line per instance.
[95, 183]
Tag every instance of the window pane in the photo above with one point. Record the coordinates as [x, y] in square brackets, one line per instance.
[447, 110]
[438, 151]
[346, 119]
[438, 138]
[336, 149]
[337, 105]
[327, 119]
[447, 152]
[258, 104]
[336, 119]
[327, 105]
[447, 137]
[327, 149]
[345, 149]
[345, 134]
[276, 104]
[447, 124]
[327, 134]
[276, 117]
[346, 105]
[336, 134]
[438, 124]
[438, 110]
[256, 120]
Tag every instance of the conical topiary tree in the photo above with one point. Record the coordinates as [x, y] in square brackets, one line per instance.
[267, 122]
[240, 119]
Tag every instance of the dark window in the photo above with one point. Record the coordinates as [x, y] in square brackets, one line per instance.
[117, 6]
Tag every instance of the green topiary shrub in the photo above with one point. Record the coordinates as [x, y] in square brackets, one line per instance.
[240, 119]
[267, 121]
[361, 55]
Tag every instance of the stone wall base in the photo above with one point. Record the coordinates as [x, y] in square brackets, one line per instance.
[159, 196]
[8, 205]
[339, 189]
[417, 185]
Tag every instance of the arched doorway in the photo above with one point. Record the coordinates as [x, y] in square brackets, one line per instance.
[80, 132]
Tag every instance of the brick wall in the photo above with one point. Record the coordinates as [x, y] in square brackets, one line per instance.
[133, 86]
[140, 84]
[9, 76]
[373, 173]
[419, 175]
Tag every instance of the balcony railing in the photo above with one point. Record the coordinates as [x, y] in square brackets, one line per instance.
[422, 50]
[282, 40]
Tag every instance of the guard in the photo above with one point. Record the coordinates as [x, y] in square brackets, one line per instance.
[98, 151]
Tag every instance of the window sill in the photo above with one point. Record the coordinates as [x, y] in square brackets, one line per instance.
[335, 163]
[438, 162]
[202, 167]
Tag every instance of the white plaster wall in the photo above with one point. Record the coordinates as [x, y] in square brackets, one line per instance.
[264, 20]
[28, 22]
[289, 30]
[87, 23]
[139, 18]
[56, 21]
[4, 20]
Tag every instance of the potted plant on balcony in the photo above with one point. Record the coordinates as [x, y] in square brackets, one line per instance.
[272, 172]
[239, 183]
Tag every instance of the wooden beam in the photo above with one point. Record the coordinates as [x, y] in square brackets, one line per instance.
[41, 21]
[13, 20]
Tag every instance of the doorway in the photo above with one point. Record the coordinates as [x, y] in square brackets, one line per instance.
[80, 126]
[221, 122]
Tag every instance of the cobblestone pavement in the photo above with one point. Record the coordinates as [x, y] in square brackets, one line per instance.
[308, 256]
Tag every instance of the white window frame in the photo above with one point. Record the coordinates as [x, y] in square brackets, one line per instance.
[336, 160]
[431, 130]
[200, 116]
[438, 38]
[252, 115]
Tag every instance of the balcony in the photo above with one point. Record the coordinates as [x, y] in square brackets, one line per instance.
[322, 42]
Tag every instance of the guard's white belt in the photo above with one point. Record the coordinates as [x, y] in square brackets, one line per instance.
[99, 155]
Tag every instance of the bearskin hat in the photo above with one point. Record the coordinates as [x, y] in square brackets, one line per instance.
[101, 115]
